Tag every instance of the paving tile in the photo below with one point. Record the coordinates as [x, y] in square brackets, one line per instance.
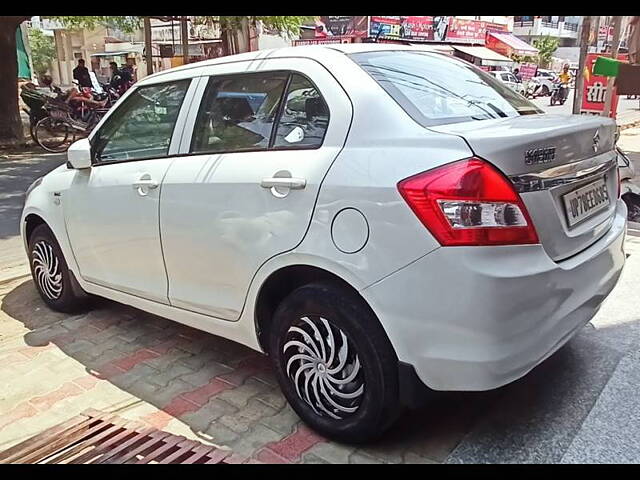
[247, 417]
[240, 396]
[332, 452]
[200, 419]
[284, 421]
[248, 444]
[204, 373]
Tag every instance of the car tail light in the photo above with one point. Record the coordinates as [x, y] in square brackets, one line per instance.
[469, 202]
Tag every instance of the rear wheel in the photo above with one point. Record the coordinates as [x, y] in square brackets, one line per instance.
[334, 363]
[545, 91]
[50, 273]
[52, 135]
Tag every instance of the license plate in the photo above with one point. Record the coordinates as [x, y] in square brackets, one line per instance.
[586, 201]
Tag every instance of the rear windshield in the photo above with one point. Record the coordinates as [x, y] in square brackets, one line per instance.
[435, 89]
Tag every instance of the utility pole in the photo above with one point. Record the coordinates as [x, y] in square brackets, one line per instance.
[615, 46]
[584, 43]
[184, 36]
[148, 53]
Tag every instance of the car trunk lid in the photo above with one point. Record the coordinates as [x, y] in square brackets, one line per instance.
[548, 156]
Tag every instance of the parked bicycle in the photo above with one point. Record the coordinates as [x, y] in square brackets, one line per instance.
[60, 128]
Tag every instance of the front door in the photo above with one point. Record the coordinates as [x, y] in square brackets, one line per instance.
[262, 143]
[111, 209]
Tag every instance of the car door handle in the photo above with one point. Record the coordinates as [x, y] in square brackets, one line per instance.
[284, 182]
[145, 183]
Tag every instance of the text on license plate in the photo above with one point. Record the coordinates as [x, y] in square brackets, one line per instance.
[586, 201]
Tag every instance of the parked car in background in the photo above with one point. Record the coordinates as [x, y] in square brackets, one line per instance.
[378, 221]
[510, 80]
[546, 79]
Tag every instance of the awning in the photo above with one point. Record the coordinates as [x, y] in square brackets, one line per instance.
[433, 48]
[111, 54]
[518, 46]
[487, 57]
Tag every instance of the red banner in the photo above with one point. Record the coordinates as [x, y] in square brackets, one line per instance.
[418, 27]
[471, 31]
[528, 71]
[595, 89]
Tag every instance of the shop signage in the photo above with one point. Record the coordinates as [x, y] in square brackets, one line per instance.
[343, 25]
[595, 90]
[528, 71]
[418, 28]
[385, 27]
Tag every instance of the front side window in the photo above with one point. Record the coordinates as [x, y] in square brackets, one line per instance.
[143, 125]
[304, 118]
[435, 90]
[238, 112]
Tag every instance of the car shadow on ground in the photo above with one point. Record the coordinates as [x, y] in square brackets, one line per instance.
[532, 419]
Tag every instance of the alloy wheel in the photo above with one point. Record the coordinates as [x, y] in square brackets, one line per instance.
[324, 367]
[46, 269]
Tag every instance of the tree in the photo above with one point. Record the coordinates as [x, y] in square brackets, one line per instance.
[546, 46]
[10, 123]
[43, 51]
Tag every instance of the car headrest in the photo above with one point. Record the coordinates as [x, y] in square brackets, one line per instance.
[315, 107]
[235, 108]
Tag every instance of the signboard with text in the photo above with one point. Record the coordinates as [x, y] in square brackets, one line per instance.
[595, 90]
[385, 27]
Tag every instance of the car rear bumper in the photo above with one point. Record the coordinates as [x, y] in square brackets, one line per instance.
[477, 318]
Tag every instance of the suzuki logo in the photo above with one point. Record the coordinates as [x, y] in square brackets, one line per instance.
[596, 141]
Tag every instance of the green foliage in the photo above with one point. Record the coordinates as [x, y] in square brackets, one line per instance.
[287, 24]
[546, 46]
[43, 51]
[522, 58]
[127, 24]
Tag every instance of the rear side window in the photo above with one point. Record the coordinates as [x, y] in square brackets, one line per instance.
[304, 118]
[143, 125]
[435, 90]
[238, 112]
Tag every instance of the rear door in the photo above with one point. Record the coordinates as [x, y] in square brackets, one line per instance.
[245, 188]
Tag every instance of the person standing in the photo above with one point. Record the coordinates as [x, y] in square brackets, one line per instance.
[81, 74]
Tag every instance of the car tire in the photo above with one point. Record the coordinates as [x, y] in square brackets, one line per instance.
[53, 279]
[353, 346]
[545, 91]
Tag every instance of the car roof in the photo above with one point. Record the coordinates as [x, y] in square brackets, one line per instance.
[315, 52]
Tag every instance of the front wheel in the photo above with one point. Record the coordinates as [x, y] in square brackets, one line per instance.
[50, 273]
[545, 91]
[334, 363]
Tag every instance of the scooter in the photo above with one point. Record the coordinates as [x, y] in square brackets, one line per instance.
[559, 93]
[533, 88]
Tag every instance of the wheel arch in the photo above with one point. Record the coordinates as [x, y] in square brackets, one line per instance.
[285, 280]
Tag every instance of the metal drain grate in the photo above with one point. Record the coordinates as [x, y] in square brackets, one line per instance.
[97, 437]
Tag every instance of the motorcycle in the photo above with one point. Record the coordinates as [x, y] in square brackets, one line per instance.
[559, 94]
[533, 89]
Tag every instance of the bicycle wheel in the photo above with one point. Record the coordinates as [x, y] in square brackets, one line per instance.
[52, 135]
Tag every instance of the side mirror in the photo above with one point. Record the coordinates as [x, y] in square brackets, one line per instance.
[79, 154]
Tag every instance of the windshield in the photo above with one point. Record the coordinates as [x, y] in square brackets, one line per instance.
[435, 89]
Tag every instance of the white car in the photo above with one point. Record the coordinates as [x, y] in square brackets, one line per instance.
[510, 80]
[377, 220]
